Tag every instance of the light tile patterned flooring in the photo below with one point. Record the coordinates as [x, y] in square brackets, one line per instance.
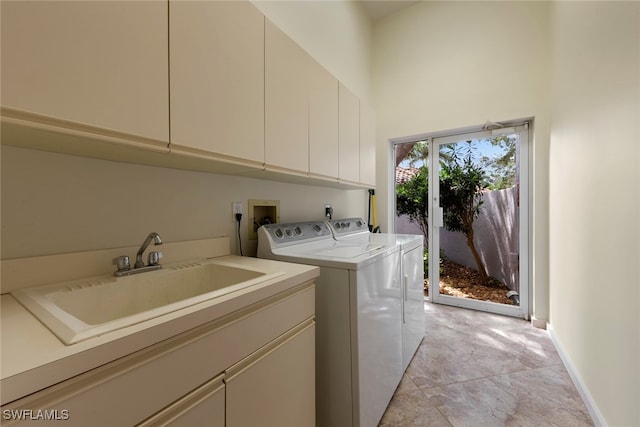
[481, 369]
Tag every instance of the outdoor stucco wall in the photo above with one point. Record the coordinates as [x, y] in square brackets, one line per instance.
[496, 237]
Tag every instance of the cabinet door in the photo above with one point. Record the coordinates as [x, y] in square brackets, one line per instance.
[98, 63]
[202, 407]
[349, 124]
[276, 386]
[286, 102]
[367, 145]
[217, 78]
[413, 326]
[323, 122]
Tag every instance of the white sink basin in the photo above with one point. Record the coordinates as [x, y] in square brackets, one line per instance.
[83, 309]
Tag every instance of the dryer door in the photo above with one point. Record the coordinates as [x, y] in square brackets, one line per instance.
[377, 331]
[413, 324]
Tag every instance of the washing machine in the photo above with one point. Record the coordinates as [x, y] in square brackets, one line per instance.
[355, 231]
[358, 319]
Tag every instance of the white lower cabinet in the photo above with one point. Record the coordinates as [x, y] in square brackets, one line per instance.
[253, 367]
[205, 406]
[276, 387]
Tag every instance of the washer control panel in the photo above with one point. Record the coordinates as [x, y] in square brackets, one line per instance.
[296, 231]
[346, 226]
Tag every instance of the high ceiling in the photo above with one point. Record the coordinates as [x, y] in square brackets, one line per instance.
[380, 8]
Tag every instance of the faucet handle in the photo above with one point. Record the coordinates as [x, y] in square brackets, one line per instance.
[154, 258]
[122, 262]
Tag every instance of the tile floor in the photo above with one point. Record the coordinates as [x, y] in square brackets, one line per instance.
[481, 369]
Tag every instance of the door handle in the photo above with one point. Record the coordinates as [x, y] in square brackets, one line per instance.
[438, 221]
[406, 280]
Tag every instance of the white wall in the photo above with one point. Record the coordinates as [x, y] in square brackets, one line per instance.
[336, 33]
[55, 203]
[594, 197]
[448, 65]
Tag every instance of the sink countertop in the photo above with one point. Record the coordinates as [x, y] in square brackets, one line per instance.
[33, 358]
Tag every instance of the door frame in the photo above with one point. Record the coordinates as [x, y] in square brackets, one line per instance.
[523, 127]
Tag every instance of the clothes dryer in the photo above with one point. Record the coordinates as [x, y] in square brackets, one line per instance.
[354, 231]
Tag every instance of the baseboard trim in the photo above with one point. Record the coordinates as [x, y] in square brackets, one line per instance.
[595, 413]
[538, 323]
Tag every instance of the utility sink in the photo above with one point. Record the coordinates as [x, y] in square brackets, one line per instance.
[82, 309]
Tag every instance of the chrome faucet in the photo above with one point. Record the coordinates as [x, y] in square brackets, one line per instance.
[124, 266]
[156, 241]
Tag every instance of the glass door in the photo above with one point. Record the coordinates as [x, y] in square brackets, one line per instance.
[478, 220]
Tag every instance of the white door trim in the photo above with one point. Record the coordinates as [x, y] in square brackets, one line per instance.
[524, 309]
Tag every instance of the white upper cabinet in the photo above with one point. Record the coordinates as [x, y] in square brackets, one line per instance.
[323, 122]
[97, 63]
[214, 82]
[367, 145]
[349, 135]
[286, 102]
[217, 78]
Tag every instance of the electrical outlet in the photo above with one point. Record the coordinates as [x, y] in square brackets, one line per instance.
[236, 208]
[328, 210]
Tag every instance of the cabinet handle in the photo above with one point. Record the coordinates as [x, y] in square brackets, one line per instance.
[264, 351]
[185, 403]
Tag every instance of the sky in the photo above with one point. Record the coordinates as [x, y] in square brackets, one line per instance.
[482, 147]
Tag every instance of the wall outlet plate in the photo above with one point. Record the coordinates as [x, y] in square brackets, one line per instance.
[236, 208]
